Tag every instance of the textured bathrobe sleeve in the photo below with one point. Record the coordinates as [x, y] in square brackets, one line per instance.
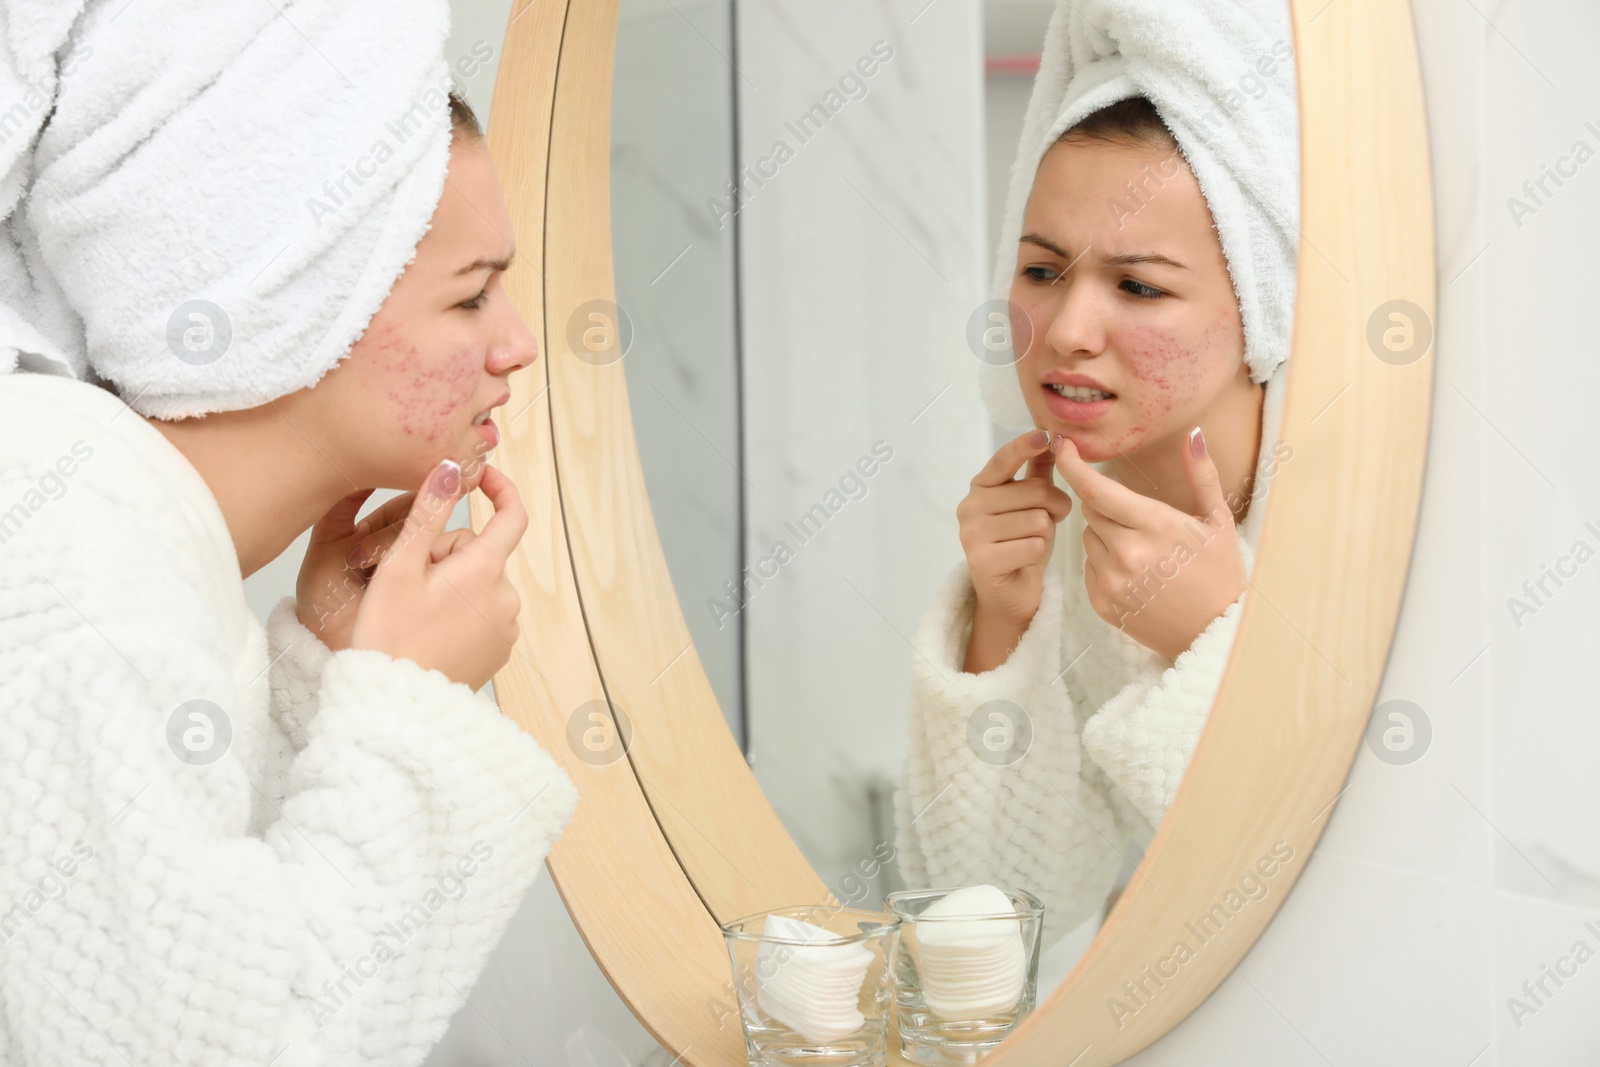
[297, 657]
[1145, 735]
[147, 922]
[1055, 819]
[965, 815]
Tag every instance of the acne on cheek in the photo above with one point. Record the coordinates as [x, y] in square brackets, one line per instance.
[1169, 370]
[1162, 364]
[426, 394]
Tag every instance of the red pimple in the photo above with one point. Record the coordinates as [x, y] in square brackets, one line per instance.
[431, 401]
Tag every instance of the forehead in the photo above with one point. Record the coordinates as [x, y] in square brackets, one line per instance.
[471, 218]
[1116, 195]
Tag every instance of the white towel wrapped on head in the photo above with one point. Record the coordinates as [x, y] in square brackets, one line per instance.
[211, 201]
[1221, 74]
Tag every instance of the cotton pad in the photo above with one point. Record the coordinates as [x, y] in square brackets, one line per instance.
[971, 958]
[813, 988]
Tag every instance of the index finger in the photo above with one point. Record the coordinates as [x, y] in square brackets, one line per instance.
[429, 514]
[1101, 492]
[510, 519]
[1002, 466]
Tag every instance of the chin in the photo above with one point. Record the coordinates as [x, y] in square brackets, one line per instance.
[1102, 443]
[1091, 442]
[473, 460]
[1091, 446]
[417, 471]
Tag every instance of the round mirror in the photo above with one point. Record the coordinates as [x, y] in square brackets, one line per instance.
[851, 630]
[942, 667]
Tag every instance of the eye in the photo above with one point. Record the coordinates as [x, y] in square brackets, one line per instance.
[1039, 274]
[478, 301]
[1141, 290]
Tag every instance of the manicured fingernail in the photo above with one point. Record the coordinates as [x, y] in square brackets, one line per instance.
[358, 558]
[446, 478]
[1038, 438]
[1197, 443]
[1057, 442]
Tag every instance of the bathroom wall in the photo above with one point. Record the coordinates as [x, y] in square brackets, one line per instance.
[673, 243]
[1442, 885]
[861, 256]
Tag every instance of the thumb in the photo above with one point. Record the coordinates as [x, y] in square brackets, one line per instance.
[450, 542]
[1205, 484]
[429, 514]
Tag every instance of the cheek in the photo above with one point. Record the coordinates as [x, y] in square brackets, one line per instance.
[1175, 370]
[1164, 367]
[425, 394]
[1022, 328]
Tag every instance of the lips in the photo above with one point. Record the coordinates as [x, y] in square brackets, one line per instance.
[482, 416]
[1057, 377]
[1091, 403]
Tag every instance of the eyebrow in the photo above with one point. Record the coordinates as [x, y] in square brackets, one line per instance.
[497, 265]
[1120, 260]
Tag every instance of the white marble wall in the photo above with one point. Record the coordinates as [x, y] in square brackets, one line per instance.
[861, 261]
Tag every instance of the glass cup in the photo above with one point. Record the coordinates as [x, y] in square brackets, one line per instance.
[963, 980]
[813, 984]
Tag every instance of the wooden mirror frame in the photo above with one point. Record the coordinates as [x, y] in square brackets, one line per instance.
[674, 836]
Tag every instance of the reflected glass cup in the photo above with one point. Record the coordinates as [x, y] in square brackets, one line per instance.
[813, 984]
[967, 971]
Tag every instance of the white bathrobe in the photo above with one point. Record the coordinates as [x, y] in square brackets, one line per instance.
[328, 890]
[1113, 725]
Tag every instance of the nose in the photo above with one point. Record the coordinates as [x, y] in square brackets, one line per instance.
[1077, 319]
[519, 347]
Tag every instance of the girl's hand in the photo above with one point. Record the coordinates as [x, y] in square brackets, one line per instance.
[1008, 528]
[331, 580]
[1159, 575]
[340, 561]
[442, 599]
